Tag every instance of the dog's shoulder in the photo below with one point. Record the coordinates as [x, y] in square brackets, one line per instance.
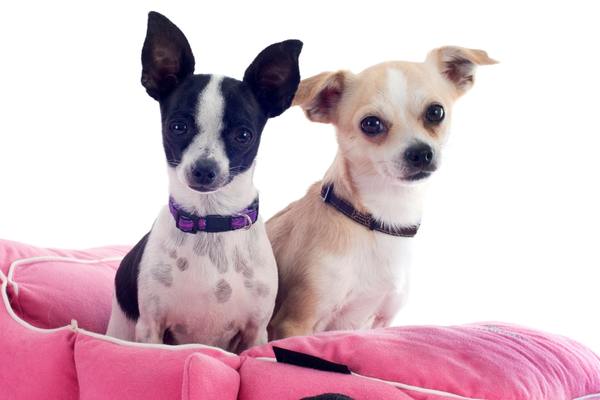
[126, 280]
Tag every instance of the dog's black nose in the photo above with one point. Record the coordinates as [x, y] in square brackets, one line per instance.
[419, 155]
[204, 172]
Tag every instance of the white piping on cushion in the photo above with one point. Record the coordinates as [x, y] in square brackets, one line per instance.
[33, 260]
[73, 326]
[197, 346]
[589, 397]
[15, 317]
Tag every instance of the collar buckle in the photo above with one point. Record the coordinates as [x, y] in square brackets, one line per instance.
[248, 221]
[326, 192]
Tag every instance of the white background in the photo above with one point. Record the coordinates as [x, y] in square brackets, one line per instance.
[511, 225]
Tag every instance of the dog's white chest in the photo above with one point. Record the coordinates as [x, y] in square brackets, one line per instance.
[371, 283]
[207, 287]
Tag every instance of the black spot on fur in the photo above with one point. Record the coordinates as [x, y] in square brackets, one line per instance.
[223, 291]
[163, 274]
[182, 263]
[261, 289]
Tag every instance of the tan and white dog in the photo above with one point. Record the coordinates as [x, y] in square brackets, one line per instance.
[341, 250]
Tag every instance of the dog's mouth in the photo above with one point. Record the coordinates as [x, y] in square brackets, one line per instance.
[212, 188]
[403, 174]
[417, 176]
[204, 189]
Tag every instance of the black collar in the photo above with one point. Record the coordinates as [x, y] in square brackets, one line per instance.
[365, 219]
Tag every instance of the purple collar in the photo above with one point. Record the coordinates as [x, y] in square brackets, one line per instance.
[190, 223]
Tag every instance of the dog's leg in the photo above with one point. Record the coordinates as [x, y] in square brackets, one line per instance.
[252, 335]
[248, 338]
[148, 330]
[297, 316]
[262, 338]
[119, 326]
[292, 327]
[388, 310]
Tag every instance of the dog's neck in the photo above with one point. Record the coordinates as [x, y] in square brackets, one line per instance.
[228, 200]
[389, 201]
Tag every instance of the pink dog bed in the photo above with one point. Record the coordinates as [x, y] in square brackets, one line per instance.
[54, 303]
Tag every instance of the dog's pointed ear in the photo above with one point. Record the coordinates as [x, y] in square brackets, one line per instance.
[458, 65]
[166, 57]
[274, 75]
[320, 95]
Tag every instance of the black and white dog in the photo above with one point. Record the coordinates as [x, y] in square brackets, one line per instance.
[205, 273]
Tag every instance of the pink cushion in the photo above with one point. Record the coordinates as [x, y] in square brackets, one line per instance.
[52, 293]
[110, 371]
[35, 365]
[11, 251]
[207, 378]
[268, 380]
[64, 285]
[490, 361]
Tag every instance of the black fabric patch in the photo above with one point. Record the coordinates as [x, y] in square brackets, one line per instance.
[307, 361]
[126, 280]
[328, 396]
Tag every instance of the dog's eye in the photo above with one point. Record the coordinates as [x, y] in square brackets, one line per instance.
[372, 126]
[178, 127]
[435, 114]
[243, 136]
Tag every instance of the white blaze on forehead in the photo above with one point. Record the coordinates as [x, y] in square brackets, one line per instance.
[210, 108]
[397, 91]
[208, 143]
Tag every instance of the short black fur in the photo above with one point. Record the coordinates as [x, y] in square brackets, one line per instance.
[167, 57]
[274, 76]
[126, 280]
[181, 105]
